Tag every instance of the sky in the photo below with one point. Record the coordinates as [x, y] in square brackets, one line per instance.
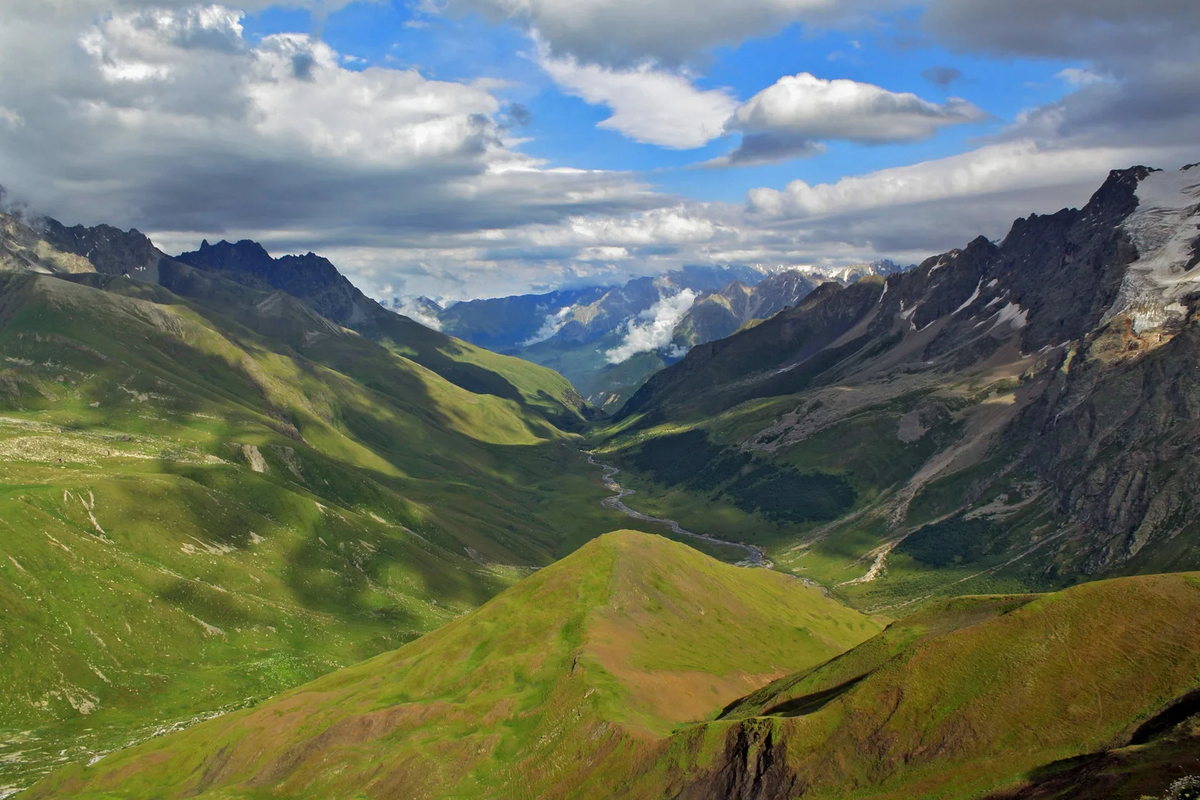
[474, 148]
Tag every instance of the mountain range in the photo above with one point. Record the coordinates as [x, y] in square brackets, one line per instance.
[261, 536]
[1019, 413]
[609, 340]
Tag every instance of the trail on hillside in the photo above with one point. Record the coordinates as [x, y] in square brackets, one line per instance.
[755, 557]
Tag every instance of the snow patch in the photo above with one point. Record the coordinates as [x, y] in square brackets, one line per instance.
[1163, 229]
[1013, 315]
[653, 328]
[974, 296]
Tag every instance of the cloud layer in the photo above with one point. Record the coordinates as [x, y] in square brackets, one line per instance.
[174, 122]
[653, 328]
[167, 116]
[625, 33]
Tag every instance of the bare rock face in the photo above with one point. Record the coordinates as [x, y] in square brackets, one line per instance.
[111, 250]
[754, 767]
[309, 277]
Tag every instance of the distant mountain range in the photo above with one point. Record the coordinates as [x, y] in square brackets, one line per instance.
[609, 340]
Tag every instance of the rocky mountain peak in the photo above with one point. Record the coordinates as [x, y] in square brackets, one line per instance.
[111, 250]
[309, 277]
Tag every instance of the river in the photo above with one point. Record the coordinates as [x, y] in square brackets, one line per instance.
[755, 557]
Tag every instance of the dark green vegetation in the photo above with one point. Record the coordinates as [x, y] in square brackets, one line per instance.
[997, 419]
[617, 673]
[955, 541]
[212, 493]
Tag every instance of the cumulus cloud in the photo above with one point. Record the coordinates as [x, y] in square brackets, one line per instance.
[173, 121]
[807, 107]
[166, 116]
[648, 104]
[794, 116]
[767, 148]
[653, 328]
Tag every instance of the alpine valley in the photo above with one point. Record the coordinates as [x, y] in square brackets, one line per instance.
[860, 533]
[608, 341]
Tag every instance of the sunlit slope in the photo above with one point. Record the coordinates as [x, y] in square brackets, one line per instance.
[198, 508]
[1009, 685]
[565, 684]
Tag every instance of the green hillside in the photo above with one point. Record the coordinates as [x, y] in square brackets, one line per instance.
[974, 696]
[204, 502]
[573, 677]
[616, 673]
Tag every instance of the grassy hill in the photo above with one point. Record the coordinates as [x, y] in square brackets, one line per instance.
[206, 501]
[617, 673]
[969, 697]
[576, 676]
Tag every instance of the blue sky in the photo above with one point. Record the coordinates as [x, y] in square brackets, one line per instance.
[463, 148]
[564, 128]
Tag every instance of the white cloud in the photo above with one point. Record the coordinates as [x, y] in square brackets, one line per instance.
[648, 104]
[411, 308]
[550, 326]
[166, 116]
[1079, 77]
[1012, 166]
[812, 108]
[653, 328]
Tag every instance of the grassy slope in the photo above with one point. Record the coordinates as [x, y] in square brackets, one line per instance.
[149, 574]
[573, 676]
[1007, 686]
